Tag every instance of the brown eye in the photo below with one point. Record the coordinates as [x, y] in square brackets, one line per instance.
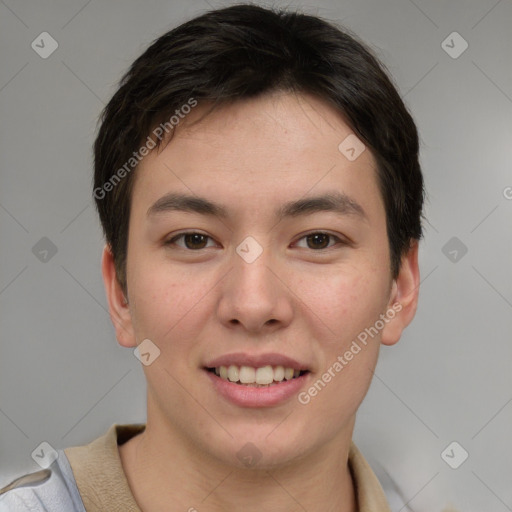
[192, 241]
[195, 241]
[318, 240]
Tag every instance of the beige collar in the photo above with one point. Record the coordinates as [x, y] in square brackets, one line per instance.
[103, 485]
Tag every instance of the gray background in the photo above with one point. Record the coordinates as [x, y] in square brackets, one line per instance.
[64, 379]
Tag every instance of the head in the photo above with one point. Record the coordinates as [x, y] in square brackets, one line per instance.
[280, 127]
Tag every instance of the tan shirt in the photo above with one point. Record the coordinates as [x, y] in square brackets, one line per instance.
[90, 464]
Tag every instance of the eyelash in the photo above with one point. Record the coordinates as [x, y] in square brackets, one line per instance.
[330, 235]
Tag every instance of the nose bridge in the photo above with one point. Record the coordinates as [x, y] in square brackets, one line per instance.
[252, 263]
[252, 295]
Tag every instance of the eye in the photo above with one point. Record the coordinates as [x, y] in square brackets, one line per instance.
[196, 241]
[192, 240]
[320, 240]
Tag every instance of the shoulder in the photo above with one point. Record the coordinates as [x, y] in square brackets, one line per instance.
[99, 473]
[76, 481]
[53, 488]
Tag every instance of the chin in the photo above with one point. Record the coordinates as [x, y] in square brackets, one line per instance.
[259, 450]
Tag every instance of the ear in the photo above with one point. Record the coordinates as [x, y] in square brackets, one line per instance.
[403, 300]
[117, 304]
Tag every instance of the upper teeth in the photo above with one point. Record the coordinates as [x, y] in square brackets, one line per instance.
[249, 375]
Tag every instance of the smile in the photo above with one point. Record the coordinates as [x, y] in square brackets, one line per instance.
[264, 376]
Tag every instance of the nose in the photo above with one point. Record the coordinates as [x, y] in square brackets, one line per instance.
[255, 294]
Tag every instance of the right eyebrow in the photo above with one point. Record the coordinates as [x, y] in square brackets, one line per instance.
[187, 203]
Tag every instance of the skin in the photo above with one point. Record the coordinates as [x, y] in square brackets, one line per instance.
[296, 299]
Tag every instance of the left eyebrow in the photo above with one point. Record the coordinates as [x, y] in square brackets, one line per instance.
[336, 202]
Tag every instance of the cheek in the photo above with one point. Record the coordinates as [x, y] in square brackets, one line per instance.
[346, 301]
[348, 305]
[170, 304]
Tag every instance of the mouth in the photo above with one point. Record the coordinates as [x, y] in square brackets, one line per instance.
[257, 380]
[256, 377]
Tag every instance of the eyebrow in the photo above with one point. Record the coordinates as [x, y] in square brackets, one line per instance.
[336, 202]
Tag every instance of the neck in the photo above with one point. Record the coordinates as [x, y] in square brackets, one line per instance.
[164, 467]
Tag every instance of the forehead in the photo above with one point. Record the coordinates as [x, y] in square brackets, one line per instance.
[267, 147]
[287, 121]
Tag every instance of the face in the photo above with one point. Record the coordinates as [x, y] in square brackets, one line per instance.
[255, 242]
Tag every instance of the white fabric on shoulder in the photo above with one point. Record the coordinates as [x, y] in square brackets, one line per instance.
[50, 490]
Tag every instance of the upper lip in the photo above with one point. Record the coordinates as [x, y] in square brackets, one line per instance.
[256, 361]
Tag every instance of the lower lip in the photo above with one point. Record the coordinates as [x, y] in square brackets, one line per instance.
[248, 396]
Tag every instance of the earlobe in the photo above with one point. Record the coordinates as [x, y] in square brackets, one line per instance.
[403, 298]
[117, 303]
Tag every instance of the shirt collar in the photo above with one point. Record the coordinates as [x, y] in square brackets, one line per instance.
[90, 464]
